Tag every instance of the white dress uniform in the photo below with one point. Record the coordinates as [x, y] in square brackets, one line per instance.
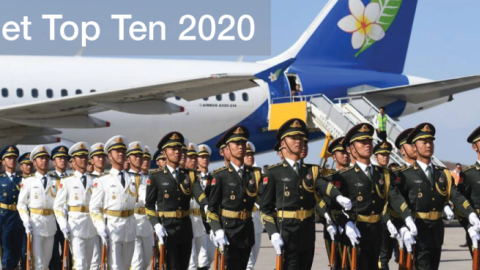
[74, 195]
[257, 224]
[35, 206]
[117, 202]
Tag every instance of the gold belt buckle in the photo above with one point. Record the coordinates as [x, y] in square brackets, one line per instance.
[301, 214]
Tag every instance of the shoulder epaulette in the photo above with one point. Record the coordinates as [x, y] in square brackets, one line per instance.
[345, 170]
[220, 169]
[275, 165]
[469, 168]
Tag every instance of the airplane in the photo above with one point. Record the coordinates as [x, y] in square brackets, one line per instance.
[352, 48]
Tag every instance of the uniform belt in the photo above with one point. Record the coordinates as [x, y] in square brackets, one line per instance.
[122, 213]
[299, 214]
[80, 209]
[433, 215]
[195, 212]
[366, 219]
[11, 207]
[243, 215]
[43, 212]
[140, 211]
[174, 214]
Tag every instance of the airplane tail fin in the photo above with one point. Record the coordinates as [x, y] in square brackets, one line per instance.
[364, 34]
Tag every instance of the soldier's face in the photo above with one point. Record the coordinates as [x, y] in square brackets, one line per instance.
[249, 159]
[81, 162]
[26, 168]
[136, 160]
[237, 149]
[146, 164]
[363, 148]
[191, 162]
[60, 163]
[41, 163]
[383, 159]
[203, 161]
[117, 156]
[10, 163]
[341, 157]
[99, 161]
[174, 154]
[407, 149]
[294, 144]
[425, 147]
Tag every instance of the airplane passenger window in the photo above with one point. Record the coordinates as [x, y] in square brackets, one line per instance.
[34, 93]
[232, 96]
[64, 93]
[219, 97]
[49, 93]
[245, 97]
[78, 92]
[4, 92]
[205, 98]
[20, 92]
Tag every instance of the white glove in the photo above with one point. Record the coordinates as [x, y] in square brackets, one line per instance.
[352, 233]
[407, 238]
[332, 230]
[212, 238]
[473, 219]
[66, 232]
[474, 236]
[221, 239]
[104, 236]
[28, 227]
[277, 243]
[411, 226]
[160, 231]
[392, 230]
[448, 211]
[344, 202]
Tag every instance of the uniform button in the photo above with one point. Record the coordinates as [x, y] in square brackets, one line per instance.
[301, 197]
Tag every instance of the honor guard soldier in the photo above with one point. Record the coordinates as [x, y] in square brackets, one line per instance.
[469, 185]
[26, 165]
[290, 193]
[169, 191]
[60, 160]
[147, 159]
[370, 188]
[199, 257]
[35, 205]
[334, 210]
[257, 220]
[115, 193]
[232, 197]
[98, 158]
[204, 153]
[11, 228]
[144, 230]
[74, 194]
[428, 189]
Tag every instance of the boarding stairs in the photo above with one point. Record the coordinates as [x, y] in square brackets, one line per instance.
[336, 118]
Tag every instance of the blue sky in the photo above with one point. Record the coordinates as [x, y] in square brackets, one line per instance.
[445, 44]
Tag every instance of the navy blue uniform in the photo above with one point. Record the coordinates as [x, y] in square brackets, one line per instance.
[12, 230]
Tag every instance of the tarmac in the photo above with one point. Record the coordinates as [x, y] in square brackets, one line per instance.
[453, 256]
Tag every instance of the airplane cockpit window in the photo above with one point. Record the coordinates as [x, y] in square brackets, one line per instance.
[34, 93]
[78, 92]
[245, 97]
[219, 97]
[232, 96]
[64, 93]
[19, 92]
[49, 93]
[4, 92]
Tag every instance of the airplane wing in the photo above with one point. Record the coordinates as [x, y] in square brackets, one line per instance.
[419, 93]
